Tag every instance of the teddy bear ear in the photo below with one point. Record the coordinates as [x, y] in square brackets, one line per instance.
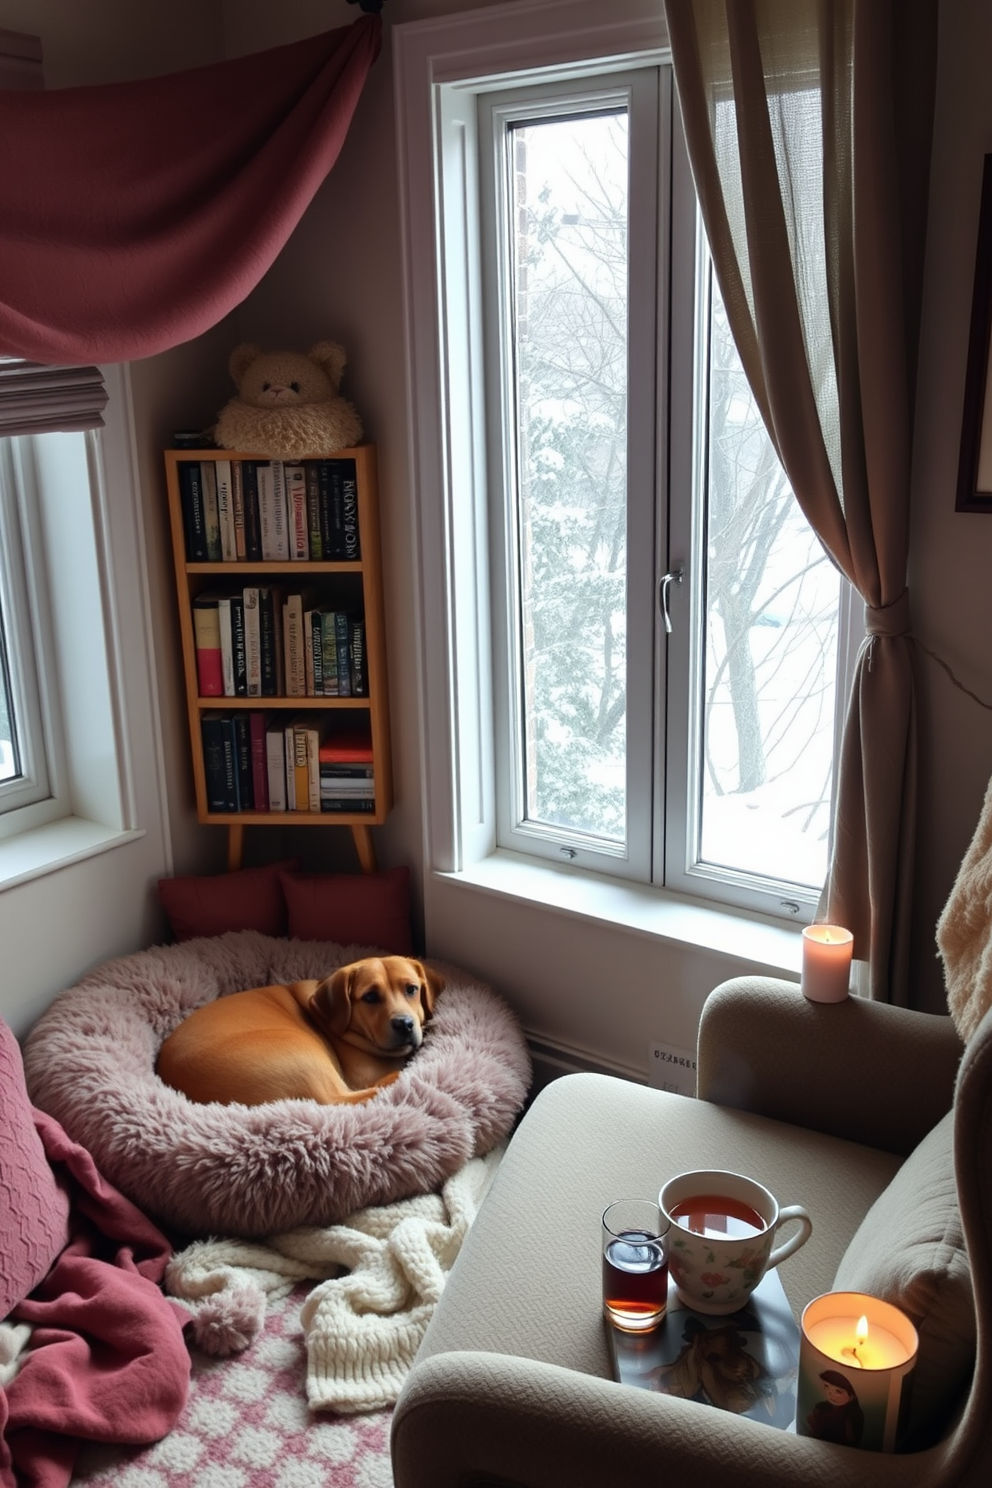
[330, 356]
[241, 359]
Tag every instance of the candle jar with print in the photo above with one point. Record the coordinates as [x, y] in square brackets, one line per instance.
[856, 1359]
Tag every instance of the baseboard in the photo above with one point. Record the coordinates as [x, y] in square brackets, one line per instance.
[552, 1060]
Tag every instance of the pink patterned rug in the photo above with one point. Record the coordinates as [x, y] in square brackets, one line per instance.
[247, 1425]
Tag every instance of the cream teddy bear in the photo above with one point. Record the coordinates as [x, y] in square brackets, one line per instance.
[288, 405]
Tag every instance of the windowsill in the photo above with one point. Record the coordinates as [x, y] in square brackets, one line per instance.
[771, 949]
[57, 845]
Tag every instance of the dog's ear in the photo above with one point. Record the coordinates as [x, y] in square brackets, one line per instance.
[330, 1005]
[432, 984]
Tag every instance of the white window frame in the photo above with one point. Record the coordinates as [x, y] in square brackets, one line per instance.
[441, 68]
[87, 606]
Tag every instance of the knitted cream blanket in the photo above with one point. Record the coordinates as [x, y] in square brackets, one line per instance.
[362, 1328]
[964, 930]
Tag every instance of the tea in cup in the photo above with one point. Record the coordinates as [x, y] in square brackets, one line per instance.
[723, 1226]
[635, 1264]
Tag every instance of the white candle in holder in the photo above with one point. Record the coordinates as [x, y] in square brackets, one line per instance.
[827, 952]
[856, 1359]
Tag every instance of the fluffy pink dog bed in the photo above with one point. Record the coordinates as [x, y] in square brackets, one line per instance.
[260, 1170]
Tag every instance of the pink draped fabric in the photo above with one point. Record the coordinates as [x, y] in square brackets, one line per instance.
[107, 1360]
[134, 216]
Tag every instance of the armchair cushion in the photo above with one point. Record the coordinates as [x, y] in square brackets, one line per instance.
[909, 1249]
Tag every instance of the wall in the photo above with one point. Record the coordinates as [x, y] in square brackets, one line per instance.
[55, 928]
[951, 555]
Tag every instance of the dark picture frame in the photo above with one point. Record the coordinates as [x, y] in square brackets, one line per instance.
[974, 493]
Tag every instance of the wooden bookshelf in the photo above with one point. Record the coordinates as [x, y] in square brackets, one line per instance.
[355, 584]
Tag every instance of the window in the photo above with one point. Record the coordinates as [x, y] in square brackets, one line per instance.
[642, 648]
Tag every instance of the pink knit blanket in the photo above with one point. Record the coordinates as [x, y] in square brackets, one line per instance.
[106, 1359]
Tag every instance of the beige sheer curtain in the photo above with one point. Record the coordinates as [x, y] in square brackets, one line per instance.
[808, 128]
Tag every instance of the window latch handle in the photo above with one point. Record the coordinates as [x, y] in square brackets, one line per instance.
[667, 580]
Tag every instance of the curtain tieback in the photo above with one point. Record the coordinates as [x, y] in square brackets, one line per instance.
[889, 620]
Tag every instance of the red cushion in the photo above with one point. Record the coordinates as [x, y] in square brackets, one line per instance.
[248, 899]
[368, 909]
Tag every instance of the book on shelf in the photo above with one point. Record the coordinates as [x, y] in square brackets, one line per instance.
[211, 515]
[225, 511]
[270, 600]
[273, 516]
[314, 525]
[297, 767]
[257, 725]
[253, 528]
[359, 664]
[239, 651]
[193, 439]
[194, 515]
[207, 644]
[349, 522]
[329, 653]
[242, 760]
[313, 627]
[296, 506]
[238, 510]
[275, 759]
[346, 747]
[253, 644]
[296, 643]
[226, 643]
[219, 762]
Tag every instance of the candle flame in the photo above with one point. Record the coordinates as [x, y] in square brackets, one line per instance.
[862, 1329]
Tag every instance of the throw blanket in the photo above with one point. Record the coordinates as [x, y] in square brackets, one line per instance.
[94, 1351]
[362, 1329]
[964, 930]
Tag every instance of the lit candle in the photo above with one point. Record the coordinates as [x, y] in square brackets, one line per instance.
[856, 1359]
[827, 952]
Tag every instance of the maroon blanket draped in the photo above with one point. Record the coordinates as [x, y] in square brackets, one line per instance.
[134, 216]
[107, 1361]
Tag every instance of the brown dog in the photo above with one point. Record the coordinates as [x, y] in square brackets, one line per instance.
[340, 1039]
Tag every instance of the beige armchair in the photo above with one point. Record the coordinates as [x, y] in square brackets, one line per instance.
[859, 1111]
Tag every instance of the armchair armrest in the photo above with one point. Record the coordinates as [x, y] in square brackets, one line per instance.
[867, 1071]
[516, 1423]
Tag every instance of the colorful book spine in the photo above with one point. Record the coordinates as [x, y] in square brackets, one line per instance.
[313, 511]
[329, 649]
[225, 511]
[206, 637]
[253, 643]
[226, 644]
[239, 649]
[238, 509]
[208, 480]
[296, 505]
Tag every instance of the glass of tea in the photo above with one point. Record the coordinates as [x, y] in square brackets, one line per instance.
[635, 1264]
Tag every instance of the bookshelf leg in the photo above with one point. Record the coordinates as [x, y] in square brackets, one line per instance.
[365, 848]
[235, 846]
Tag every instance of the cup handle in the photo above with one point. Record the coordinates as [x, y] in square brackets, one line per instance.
[790, 1246]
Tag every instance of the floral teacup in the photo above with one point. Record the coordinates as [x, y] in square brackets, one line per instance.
[720, 1242]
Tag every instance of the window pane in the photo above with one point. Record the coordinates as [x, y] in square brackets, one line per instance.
[8, 756]
[568, 280]
[770, 667]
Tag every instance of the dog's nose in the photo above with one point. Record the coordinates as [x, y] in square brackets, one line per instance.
[403, 1023]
